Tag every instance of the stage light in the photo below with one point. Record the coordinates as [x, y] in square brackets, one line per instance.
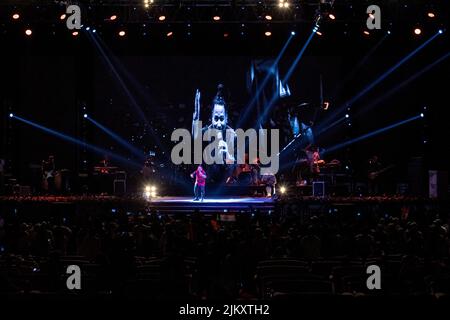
[389, 32]
[216, 18]
[318, 33]
[88, 28]
[62, 17]
[94, 31]
[422, 115]
[122, 33]
[293, 33]
[170, 33]
[283, 189]
[441, 31]
[371, 16]
[283, 4]
[268, 17]
[75, 33]
[162, 18]
[332, 16]
[113, 17]
[85, 115]
[417, 31]
[148, 188]
[431, 14]
[268, 33]
[347, 116]
[11, 115]
[28, 32]
[16, 16]
[366, 32]
[153, 189]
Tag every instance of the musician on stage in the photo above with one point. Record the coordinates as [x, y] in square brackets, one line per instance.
[48, 174]
[374, 167]
[314, 161]
[200, 182]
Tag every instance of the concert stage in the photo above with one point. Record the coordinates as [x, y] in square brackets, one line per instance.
[216, 204]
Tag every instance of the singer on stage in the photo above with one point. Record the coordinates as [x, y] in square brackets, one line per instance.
[200, 181]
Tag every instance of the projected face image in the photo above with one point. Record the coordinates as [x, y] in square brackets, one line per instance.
[219, 118]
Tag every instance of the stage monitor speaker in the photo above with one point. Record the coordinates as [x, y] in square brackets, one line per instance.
[438, 184]
[319, 189]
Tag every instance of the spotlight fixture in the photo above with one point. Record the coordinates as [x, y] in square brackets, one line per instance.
[122, 33]
[422, 115]
[16, 16]
[389, 32]
[293, 33]
[431, 14]
[28, 32]
[85, 115]
[332, 16]
[441, 31]
[417, 31]
[268, 33]
[169, 34]
[216, 18]
[268, 17]
[11, 115]
[62, 17]
[147, 3]
[347, 116]
[162, 18]
[318, 33]
[113, 17]
[75, 33]
[283, 3]
[283, 189]
[366, 32]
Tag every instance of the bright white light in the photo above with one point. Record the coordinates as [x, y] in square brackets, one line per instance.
[28, 32]
[85, 115]
[153, 194]
[293, 33]
[441, 31]
[153, 188]
[147, 194]
[347, 116]
[283, 189]
[11, 115]
[148, 188]
[422, 115]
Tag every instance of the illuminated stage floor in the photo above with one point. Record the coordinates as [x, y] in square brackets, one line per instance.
[224, 200]
[216, 204]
